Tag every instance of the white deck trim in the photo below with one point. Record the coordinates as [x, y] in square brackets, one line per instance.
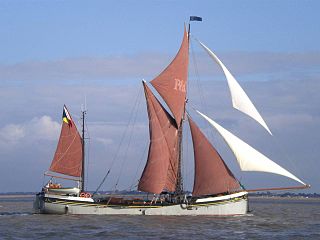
[225, 197]
[70, 198]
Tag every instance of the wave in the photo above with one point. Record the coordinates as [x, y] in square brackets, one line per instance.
[2, 214]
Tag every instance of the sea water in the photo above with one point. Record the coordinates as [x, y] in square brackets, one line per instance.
[268, 219]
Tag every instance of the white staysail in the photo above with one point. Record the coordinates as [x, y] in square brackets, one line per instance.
[240, 99]
[249, 158]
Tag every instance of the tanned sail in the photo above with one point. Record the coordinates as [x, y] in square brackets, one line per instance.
[160, 172]
[171, 84]
[211, 176]
[67, 159]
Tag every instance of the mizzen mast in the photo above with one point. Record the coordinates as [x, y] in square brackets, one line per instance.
[83, 152]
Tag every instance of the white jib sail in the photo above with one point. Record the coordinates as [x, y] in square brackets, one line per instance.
[249, 158]
[240, 99]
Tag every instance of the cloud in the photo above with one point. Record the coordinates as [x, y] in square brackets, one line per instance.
[291, 120]
[12, 133]
[43, 128]
[271, 62]
[148, 65]
[37, 129]
[84, 68]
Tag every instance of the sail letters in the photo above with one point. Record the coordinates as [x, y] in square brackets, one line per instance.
[171, 82]
[179, 85]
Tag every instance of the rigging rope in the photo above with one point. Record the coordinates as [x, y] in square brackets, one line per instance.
[296, 171]
[137, 169]
[197, 77]
[137, 104]
[121, 142]
[199, 86]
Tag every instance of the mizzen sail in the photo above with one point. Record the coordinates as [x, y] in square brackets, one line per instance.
[212, 176]
[240, 99]
[160, 172]
[249, 158]
[67, 159]
[171, 84]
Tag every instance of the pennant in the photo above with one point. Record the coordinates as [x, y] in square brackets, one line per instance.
[195, 18]
[66, 117]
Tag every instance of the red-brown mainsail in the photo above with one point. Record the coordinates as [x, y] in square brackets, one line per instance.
[212, 176]
[160, 172]
[67, 159]
[171, 84]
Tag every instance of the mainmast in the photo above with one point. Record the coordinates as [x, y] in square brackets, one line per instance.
[179, 186]
[165, 146]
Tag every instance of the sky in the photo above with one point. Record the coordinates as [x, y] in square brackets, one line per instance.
[96, 53]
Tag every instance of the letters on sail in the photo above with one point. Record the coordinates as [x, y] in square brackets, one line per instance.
[171, 83]
[240, 99]
[249, 158]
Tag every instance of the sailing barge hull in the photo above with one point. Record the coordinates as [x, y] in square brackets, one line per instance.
[228, 205]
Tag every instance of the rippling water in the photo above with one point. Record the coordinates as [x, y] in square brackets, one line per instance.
[269, 219]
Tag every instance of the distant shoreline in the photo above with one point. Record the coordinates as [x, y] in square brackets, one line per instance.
[16, 195]
[285, 198]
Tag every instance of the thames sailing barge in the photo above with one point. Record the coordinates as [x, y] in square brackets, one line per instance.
[216, 190]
